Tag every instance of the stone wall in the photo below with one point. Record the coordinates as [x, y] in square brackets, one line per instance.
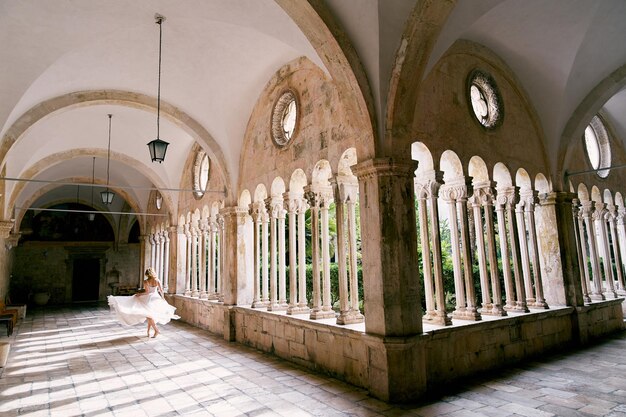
[346, 352]
[47, 267]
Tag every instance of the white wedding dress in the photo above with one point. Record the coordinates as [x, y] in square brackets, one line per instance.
[130, 310]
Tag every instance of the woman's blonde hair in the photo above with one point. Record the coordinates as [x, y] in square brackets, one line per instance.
[151, 273]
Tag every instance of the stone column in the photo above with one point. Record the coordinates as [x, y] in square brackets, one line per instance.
[236, 278]
[611, 220]
[621, 234]
[471, 312]
[219, 279]
[346, 193]
[258, 219]
[282, 279]
[599, 217]
[313, 200]
[182, 277]
[523, 243]
[421, 193]
[529, 208]
[326, 199]
[487, 306]
[431, 190]
[265, 252]
[153, 251]
[161, 246]
[194, 258]
[581, 249]
[559, 263]
[303, 306]
[292, 202]
[502, 197]
[205, 285]
[392, 291]
[213, 263]
[512, 199]
[188, 270]
[145, 257]
[273, 213]
[587, 212]
[166, 273]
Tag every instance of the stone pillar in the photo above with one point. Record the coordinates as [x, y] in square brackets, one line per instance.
[512, 198]
[599, 217]
[396, 357]
[188, 270]
[258, 219]
[587, 212]
[236, 278]
[429, 191]
[145, 257]
[265, 252]
[153, 251]
[292, 203]
[487, 306]
[326, 199]
[303, 304]
[581, 249]
[502, 197]
[560, 266]
[202, 246]
[168, 255]
[194, 258]
[282, 279]
[346, 192]
[421, 192]
[162, 265]
[523, 244]
[213, 261]
[611, 220]
[182, 278]
[471, 312]
[219, 279]
[621, 235]
[529, 208]
[273, 304]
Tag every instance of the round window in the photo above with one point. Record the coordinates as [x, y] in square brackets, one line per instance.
[484, 99]
[596, 141]
[200, 174]
[284, 118]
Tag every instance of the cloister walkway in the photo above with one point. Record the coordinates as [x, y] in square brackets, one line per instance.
[79, 361]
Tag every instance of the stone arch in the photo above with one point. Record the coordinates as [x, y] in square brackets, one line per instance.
[321, 173]
[607, 196]
[523, 180]
[583, 193]
[542, 184]
[298, 181]
[477, 169]
[34, 170]
[580, 118]
[244, 199]
[451, 166]
[333, 47]
[260, 194]
[596, 195]
[425, 164]
[502, 175]
[346, 161]
[619, 200]
[206, 212]
[181, 220]
[215, 208]
[278, 187]
[419, 37]
[118, 97]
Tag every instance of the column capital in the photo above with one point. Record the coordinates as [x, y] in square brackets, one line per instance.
[547, 199]
[427, 187]
[528, 198]
[236, 212]
[621, 213]
[507, 196]
[587, 207]
[6, 226]
[385, 167]
[483, 194]
[454, 190]
[347, 188]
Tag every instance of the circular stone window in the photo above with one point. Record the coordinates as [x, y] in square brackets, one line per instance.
[284, 118]
[484, 99]
[597, 147]
[200, 174]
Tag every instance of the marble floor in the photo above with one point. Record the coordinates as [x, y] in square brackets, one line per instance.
[80, 362]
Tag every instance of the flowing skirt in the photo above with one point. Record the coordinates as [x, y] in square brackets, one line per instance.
[130, 310]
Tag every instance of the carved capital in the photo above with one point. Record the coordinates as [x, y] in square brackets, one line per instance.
[507, 196]
[483, 196]
[426, 188]
[236, 213]
[5, 228]
[347, 189]
[453, 192]
[12, 241]
[384, 167]
[587, 208]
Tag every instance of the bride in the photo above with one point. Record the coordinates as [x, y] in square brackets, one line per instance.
[146, 304]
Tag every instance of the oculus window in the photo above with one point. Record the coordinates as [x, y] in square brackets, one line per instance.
[484, 99]
[285, 118]
[596, 140]
[200, 174]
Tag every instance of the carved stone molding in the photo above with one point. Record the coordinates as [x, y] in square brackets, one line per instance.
[5, 228]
